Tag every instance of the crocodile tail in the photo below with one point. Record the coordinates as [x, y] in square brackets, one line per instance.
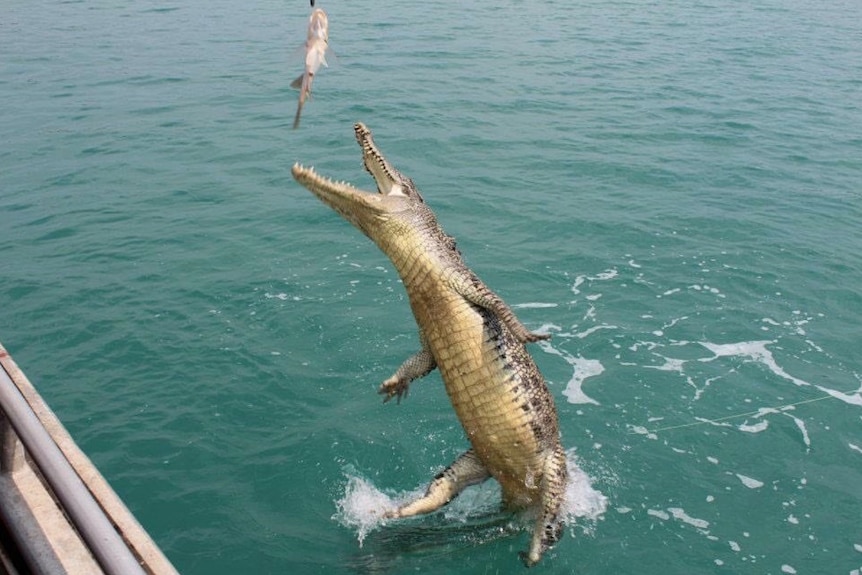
[549, 524]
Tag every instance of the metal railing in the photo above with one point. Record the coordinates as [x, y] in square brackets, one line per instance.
[84, 505]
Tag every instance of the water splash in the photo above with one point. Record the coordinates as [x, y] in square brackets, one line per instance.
[583, 501]
[363, 505]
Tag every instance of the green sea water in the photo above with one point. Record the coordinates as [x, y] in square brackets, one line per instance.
[673, 190]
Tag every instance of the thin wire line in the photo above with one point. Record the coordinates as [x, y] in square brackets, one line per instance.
[720, 419]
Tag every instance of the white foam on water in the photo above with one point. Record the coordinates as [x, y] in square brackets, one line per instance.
[578, 282]
[749, 482]
[734, 546]
[711, 422]
[282, 296]
[706, 288]
[854, 447]
[814, 346]
[854, 398]
[757, 351]
[658, 513]
[641, 430]
[755, 428]
[802, 428]
[673, 323]
[550, 327]
[670, 364]
[680, 515]
[768, 410]
[583, 368]
[533, 305]
[592, 330]
[603, 276]
[788, 569]
[857, 547]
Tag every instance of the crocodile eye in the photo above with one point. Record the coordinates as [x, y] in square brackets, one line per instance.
[409, 190]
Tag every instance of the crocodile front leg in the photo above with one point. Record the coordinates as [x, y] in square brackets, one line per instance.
[465, 471]
[417, 365]
[476, 292]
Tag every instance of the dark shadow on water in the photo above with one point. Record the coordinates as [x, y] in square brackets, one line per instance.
[395, 546]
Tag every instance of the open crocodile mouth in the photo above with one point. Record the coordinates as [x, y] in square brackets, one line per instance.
[359, 207]
[387, 178]
[349, 201]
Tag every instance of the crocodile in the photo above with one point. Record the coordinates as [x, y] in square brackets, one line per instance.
[476, 342]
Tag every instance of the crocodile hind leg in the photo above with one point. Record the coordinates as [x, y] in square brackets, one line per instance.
[417, 365]
[467, 470]
[549, 524]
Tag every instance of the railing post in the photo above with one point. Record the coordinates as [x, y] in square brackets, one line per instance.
[11, 450]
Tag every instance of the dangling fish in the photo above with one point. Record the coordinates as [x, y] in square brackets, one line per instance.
[315, 54]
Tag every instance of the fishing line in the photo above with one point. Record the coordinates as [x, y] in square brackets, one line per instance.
[747, 414]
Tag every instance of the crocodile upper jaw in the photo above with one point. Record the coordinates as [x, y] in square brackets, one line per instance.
[390, 182]
[396, 202]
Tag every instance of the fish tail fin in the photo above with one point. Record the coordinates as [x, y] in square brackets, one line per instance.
[296, 117]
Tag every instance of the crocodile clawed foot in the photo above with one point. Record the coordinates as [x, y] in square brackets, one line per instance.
[525, 557]
[394, 387]
[532, 337]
